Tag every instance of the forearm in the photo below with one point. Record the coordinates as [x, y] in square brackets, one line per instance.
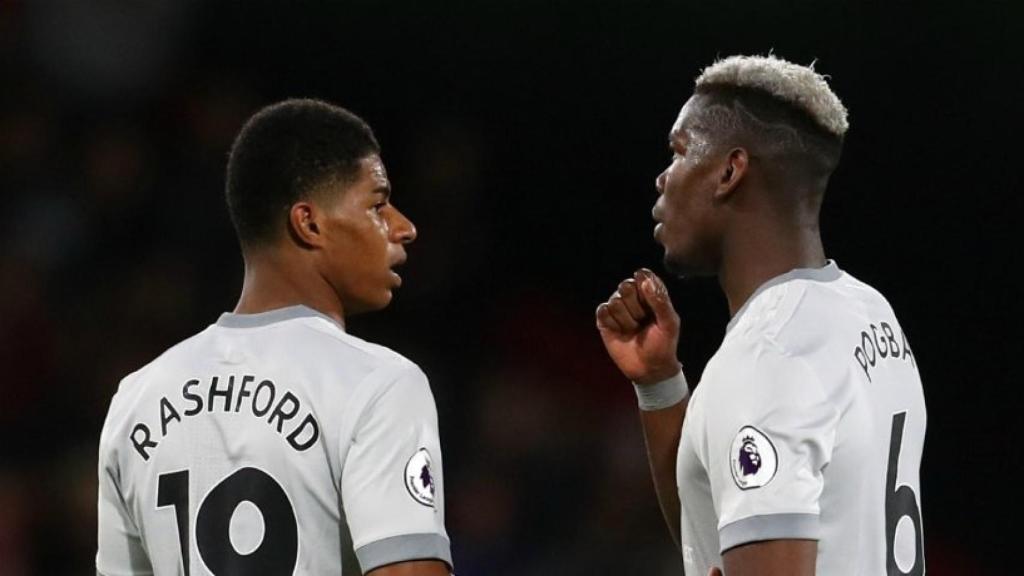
[662, 429]
[640, 330]
[413, 568]
[783, 557]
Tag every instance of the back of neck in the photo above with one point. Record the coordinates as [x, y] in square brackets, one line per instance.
[757, 256]
[274, 280]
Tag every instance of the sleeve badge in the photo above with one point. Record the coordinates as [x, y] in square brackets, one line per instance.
[419, 480]
[752, 459]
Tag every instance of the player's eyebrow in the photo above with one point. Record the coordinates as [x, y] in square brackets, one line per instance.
[676, 139]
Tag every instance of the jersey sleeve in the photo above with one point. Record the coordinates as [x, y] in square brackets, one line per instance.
[120, 551]
[770, 436]
[392, 482]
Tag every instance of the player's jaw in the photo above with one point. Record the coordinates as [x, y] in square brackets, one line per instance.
[673, 260]
[373, 287]
[369, 289]
[689, 251]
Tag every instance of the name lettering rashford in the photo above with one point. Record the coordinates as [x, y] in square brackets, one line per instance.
[264, 400]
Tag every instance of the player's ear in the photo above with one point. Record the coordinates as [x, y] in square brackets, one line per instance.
[732, 172]
[304, 225]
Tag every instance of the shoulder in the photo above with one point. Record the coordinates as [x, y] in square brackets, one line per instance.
[384, 372]
[767, 363]
[773, 314]
[323, 339]
[397, 391]
[758, 367]
[796, 316]
[761, 390]
[133, 385]
[318, 345]
[129, 396]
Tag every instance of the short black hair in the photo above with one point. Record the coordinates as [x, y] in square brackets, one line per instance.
[282, 154]
[781, 133]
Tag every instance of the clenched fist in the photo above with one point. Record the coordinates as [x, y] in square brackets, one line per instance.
[640, 329]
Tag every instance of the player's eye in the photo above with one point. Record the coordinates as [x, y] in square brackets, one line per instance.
[378, 207]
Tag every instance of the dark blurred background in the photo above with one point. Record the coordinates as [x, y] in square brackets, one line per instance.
[523, 138]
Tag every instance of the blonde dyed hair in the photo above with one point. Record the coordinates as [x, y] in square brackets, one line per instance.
[799, 86]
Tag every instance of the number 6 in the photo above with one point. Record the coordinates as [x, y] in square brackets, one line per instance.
[900, 502]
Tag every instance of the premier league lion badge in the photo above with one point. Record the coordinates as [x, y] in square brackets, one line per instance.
[418, 479]
[753, 458]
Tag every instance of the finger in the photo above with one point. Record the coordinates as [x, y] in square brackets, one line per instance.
[618, 311]
[630, 297]
[655, 295]
[605, 321]
[714, 571]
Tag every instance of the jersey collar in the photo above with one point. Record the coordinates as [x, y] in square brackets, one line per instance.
[827, 273]
[232, 320]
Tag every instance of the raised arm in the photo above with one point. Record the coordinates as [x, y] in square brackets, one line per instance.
[640, 331]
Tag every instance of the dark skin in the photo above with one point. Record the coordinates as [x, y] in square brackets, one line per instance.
[416, 568]
[640, 330]
[338, 253]
[727, 213]
[337, 257]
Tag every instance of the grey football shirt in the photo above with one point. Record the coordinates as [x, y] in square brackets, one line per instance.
[809, 423]
[241, 450]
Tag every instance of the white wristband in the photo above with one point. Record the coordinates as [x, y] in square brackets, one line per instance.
[662, 394]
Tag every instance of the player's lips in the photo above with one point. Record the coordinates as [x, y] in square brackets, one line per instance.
[655, 213]
[394, 275]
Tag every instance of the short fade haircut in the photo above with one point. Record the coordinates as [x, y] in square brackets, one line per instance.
[782, 111]
[283, 154]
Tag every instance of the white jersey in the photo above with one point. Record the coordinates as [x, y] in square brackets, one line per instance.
[246, 448]
[808, 423]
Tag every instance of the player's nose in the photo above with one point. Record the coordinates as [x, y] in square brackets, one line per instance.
[403, 231]
[659, 182]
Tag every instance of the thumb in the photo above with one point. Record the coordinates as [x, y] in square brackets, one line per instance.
[656, 295]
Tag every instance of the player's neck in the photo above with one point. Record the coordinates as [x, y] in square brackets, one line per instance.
[762, 252]
[274, 280]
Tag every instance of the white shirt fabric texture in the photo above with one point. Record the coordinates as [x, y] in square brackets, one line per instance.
[249, 447]
[808, 423]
